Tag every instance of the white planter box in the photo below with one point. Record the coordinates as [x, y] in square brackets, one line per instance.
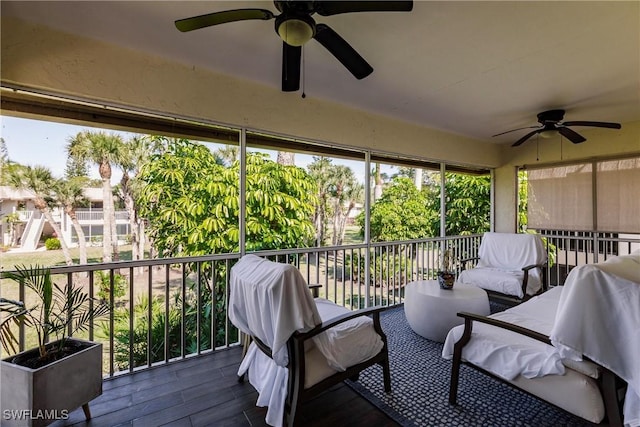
[37, 397]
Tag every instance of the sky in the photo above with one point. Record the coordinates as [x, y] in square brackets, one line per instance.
[38, 143]
[42, 143]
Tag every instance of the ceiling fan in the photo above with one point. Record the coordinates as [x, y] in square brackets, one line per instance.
[551, 122]
[295, 26]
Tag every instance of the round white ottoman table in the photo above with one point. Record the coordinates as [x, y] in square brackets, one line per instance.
[432, 311]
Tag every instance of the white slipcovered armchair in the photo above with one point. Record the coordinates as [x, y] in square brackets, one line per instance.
[301, 345]
[575, 346]
[509, 266]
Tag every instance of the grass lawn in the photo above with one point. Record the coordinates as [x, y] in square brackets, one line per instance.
[9, 260]
[352, 235]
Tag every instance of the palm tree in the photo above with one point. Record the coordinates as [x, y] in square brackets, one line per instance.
[345, 190]
[286, 158]
[39, 181]
[320, 170]
[4, 154]
[104, 150]
[136, 154]
[353, 195]
[377, 189]
[229, 154]
[70, 195]
[417, 179]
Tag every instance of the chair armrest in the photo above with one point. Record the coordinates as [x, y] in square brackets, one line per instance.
[371, 311]
[301, 337]
[529, 267]
[470, 317]
[525, 279]
[315, 289]
[463, 262]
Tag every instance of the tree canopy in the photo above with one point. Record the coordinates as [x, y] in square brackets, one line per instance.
[468, 204]
[191, 202]
[401, 213]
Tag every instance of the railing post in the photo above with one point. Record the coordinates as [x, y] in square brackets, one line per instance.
[21, 334]
[367, 230]
[242, 188]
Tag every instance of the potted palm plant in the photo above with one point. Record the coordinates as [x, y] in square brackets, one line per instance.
[47, 382]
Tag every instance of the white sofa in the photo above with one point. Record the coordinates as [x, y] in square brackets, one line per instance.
[574, 346]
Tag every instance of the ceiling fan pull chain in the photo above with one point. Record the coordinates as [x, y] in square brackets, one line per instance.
[304, 73]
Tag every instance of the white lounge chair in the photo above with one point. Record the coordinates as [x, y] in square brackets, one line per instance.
[301, 345]
[574, 346]
[510, 266]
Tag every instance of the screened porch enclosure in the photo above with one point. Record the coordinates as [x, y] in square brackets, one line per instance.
[416, 134]
[170, 310]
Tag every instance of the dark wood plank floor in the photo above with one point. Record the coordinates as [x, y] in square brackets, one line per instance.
[204, 391]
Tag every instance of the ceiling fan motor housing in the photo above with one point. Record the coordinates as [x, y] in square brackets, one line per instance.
[301, 7]
[551, 116]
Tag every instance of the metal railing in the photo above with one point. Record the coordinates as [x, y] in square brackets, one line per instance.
[98, 215]
[24, 215]
[173, 308]
[568, 249]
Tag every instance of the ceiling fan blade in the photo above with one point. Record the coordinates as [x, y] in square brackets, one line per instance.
[328, 8]
[513, 130]
[594, 124]
[571, 135]
[291, 67]
[202, 21]
[342, 51]
[527, 136]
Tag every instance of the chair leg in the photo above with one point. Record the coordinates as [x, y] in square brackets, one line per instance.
[453, 386]
[241, 378]
[457, 360]
[87, 411]
[290, 418]
[611, 402]
[386, 374]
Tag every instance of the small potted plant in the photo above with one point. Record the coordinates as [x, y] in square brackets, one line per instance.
[47, 382]
[446, 276]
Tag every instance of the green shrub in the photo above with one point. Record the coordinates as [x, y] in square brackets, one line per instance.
[52, 243]
[119, 282]
[177, 331]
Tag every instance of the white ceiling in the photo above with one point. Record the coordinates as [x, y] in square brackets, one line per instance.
[473, 68]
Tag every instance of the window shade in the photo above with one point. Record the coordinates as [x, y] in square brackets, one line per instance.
[618, 195]
[560, 198]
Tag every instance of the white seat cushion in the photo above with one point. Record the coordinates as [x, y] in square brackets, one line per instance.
[573, 392]
[493, 279]
[348, 343]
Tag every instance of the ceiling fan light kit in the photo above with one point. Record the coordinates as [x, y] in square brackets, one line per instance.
[295, 27]
[548, 134]
[551, 122]
[295, 30]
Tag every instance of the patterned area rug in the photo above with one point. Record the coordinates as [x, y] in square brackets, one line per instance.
[420, 388]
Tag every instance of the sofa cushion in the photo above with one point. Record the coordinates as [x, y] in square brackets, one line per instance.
[573, 392]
